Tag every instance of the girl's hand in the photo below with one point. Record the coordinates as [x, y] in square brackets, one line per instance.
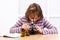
[25, 26]
[38, 29]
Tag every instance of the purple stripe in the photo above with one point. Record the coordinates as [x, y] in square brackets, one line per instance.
[16, 25]
[49, 26]
[44, 32]
[46, 24]
[47, 31]
[19, 29]
[19, 22]
[52, 31]
[39, 24]
[16, 30]
[12, 30]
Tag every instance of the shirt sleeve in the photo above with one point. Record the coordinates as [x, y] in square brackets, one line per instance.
[17, 27]
[15, 30]
[48, 28]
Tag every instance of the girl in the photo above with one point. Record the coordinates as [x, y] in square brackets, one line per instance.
[41, 25]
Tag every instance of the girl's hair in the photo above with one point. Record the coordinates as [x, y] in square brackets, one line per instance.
[36, 9]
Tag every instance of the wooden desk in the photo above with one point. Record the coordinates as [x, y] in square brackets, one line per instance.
[35, 37]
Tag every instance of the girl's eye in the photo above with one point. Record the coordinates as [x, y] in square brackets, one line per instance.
[35, 18]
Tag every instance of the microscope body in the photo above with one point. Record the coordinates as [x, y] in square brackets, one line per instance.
[32, 29]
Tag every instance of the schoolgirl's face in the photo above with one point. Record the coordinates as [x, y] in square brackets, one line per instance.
[34, 17]
[33, 13]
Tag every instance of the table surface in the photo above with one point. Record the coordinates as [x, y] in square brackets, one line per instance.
[35, 37]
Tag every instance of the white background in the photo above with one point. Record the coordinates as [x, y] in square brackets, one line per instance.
[8, 14]
[10, 10]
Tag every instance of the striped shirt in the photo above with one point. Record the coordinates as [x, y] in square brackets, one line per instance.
[46, 27]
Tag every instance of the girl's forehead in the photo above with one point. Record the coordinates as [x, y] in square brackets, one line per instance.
[33, 15]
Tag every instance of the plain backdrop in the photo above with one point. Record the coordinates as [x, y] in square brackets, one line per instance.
[11, 10]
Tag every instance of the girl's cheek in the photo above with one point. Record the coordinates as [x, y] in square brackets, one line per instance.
[35, 19]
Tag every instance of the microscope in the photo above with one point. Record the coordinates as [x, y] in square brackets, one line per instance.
[32, 27]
